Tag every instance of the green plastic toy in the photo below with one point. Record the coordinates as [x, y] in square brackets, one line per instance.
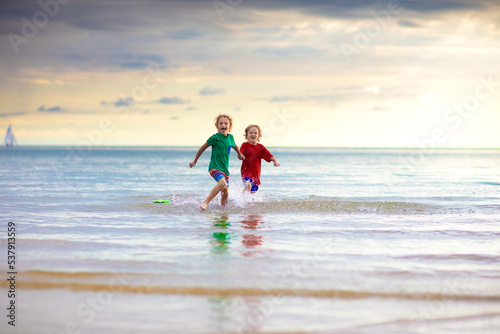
[161, 201]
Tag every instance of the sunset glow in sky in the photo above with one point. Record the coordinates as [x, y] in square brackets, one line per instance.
[312, 73]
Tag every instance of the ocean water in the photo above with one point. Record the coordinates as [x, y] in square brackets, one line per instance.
[335, 241]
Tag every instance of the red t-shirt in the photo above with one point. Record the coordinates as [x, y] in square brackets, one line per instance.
[250, 167]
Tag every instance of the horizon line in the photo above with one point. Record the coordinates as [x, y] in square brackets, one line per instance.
[301, 147]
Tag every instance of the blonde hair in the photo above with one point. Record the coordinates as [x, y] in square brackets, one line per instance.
[259, 130]
[226, 116]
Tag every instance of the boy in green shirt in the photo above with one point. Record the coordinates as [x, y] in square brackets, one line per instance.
[221, 143]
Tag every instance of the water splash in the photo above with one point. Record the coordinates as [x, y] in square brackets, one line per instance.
[258, 203]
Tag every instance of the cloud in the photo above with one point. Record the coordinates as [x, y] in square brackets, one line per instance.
[190, 108]
[443, 5]
[152, 16]
[51, 109]
[212, 91]
[288, 51]
[349, 8]
[14, 113]
[285, 98]
[124, 102]
[139, 61]
[186, 34]
[372, 89]
[100, 36]
[95, 58]
[173, 100]
[135, 65]
[36, 81]
[76, 57]
[408, 24]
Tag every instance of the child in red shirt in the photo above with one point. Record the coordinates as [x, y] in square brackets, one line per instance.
[254, 152]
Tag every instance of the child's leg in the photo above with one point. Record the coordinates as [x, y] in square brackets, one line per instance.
[220, 186]
[224, 193]
[248, 186]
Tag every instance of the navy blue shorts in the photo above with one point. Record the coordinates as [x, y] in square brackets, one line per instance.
[254, 186]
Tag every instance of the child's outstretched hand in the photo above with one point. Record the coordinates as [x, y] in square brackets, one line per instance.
[192, 164]
[241, 157]
[276, 163]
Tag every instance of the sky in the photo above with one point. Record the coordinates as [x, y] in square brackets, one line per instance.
[346, 73]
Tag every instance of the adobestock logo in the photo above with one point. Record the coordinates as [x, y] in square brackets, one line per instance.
[278, 122]
[222, 7]
[372, 29]
[30, 28]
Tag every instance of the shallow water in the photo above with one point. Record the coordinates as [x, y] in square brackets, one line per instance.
[336, 240]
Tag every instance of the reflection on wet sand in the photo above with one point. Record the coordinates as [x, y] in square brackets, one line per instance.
[221, 239]
[251, 241]
[252, 308]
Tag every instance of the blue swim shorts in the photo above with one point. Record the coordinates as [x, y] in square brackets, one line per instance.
[218, 175]
[254, 186]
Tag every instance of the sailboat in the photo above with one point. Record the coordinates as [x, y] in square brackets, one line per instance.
[10, 140]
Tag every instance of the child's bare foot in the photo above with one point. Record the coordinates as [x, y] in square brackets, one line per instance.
[203, 206]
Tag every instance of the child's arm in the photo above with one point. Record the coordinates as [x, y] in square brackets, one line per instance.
[237, 150]
[276, 162]
[198, 154]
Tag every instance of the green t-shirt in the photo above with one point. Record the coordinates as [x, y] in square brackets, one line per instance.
[221, 147]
